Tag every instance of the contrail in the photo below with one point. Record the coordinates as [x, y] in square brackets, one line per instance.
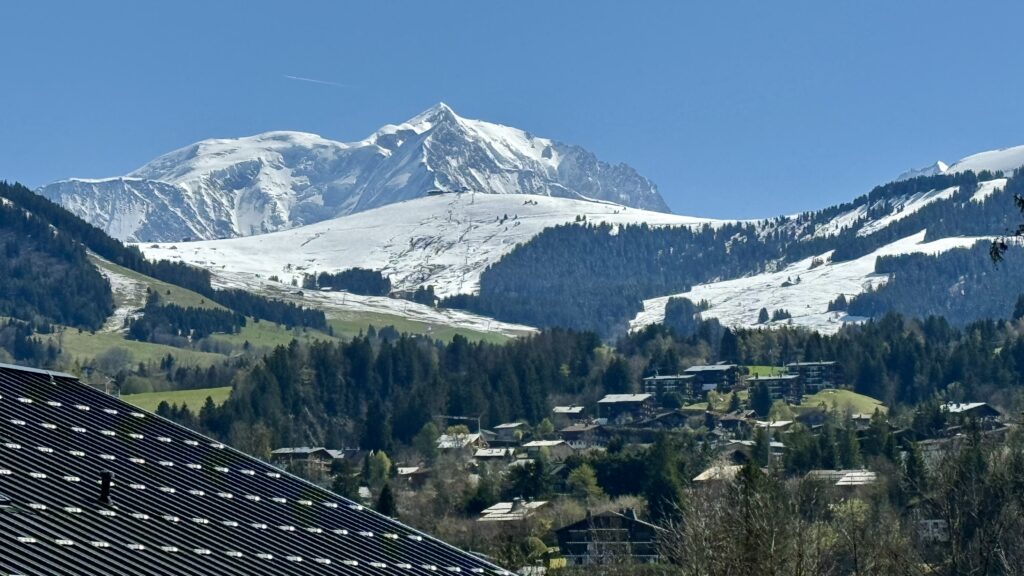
[315, 81]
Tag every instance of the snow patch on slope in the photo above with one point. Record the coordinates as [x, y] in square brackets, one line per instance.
[802, 289]
[988, 188]
[445, 241]
[906, 206]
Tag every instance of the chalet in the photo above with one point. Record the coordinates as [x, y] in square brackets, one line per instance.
[980, 411]
[737, 421]
[785, 387]
[774, 425]
[556, 450]
[658, 385]
[571, 412]
[609, 538]
[494, 454]
[666, 420]
[582, 436]
[414, 476]
[844, 479]
[626, 407]
[747, 447]
[510, 433]
[817, 376]
[446, 442]
[514, 511]
[713, 378]
[318, 457]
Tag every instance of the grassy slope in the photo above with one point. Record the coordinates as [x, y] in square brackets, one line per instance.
[265, 334]
[841, 400]
[354, 323]
[84, 346]
[194, 398]
[169, 293]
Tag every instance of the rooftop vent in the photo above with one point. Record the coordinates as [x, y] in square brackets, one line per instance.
[106, 481]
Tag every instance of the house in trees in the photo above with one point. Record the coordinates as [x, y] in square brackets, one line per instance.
[978, 411]
[319, 458]
[584, 435]
[609, 538]
[845, 480]
[556, 450]
[711, 378]
[509, 434]
[446, 442]
[626, 407]
[516, 510]
[817, 376]
[572, 412]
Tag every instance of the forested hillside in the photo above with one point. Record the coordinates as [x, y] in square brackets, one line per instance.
[377, 393]
[45, 275]
[595, 277]
[75, 237]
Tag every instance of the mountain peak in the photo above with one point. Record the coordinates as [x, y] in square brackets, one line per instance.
[439, 113]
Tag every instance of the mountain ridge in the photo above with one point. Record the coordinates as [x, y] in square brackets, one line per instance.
[220, 188]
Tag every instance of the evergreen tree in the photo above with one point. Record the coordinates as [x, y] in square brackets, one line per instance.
[761, 399]
[762, 316]
[386, 504]
[664, 490]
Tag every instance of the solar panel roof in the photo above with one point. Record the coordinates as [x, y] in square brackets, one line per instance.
[180, 502]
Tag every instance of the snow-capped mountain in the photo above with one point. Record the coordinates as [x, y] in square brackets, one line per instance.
[1004, 159]
[444, 241]
[279, 180]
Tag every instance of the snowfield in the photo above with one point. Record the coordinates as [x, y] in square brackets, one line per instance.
[445, 241]
[801, 288]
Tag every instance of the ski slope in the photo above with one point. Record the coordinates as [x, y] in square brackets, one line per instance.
[801, 288]
[445, 241]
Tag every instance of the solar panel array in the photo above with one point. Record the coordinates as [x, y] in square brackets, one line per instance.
[181, 503]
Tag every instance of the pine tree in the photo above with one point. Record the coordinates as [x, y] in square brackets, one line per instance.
[761, 399]
[386, 504]
[664, 490]
[762, 316]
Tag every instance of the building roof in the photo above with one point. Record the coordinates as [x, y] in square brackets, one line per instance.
[961, 408]
[306, 451]
[544, 443]
[623, 398]
[773, 424]
[567, 409]
[718, 473]
[786, 377]
[859, 477]
[581, 428]
[493, 452]
[508, 511]
[451, 441]
[657, 378]
[811, 364]
[510, 425]
[628, 515]
[181, 503]
[710, 368]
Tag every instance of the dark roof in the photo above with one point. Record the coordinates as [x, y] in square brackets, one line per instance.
[587, 522]
[181, 503]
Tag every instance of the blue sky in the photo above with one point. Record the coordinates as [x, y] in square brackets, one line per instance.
[735, 109]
